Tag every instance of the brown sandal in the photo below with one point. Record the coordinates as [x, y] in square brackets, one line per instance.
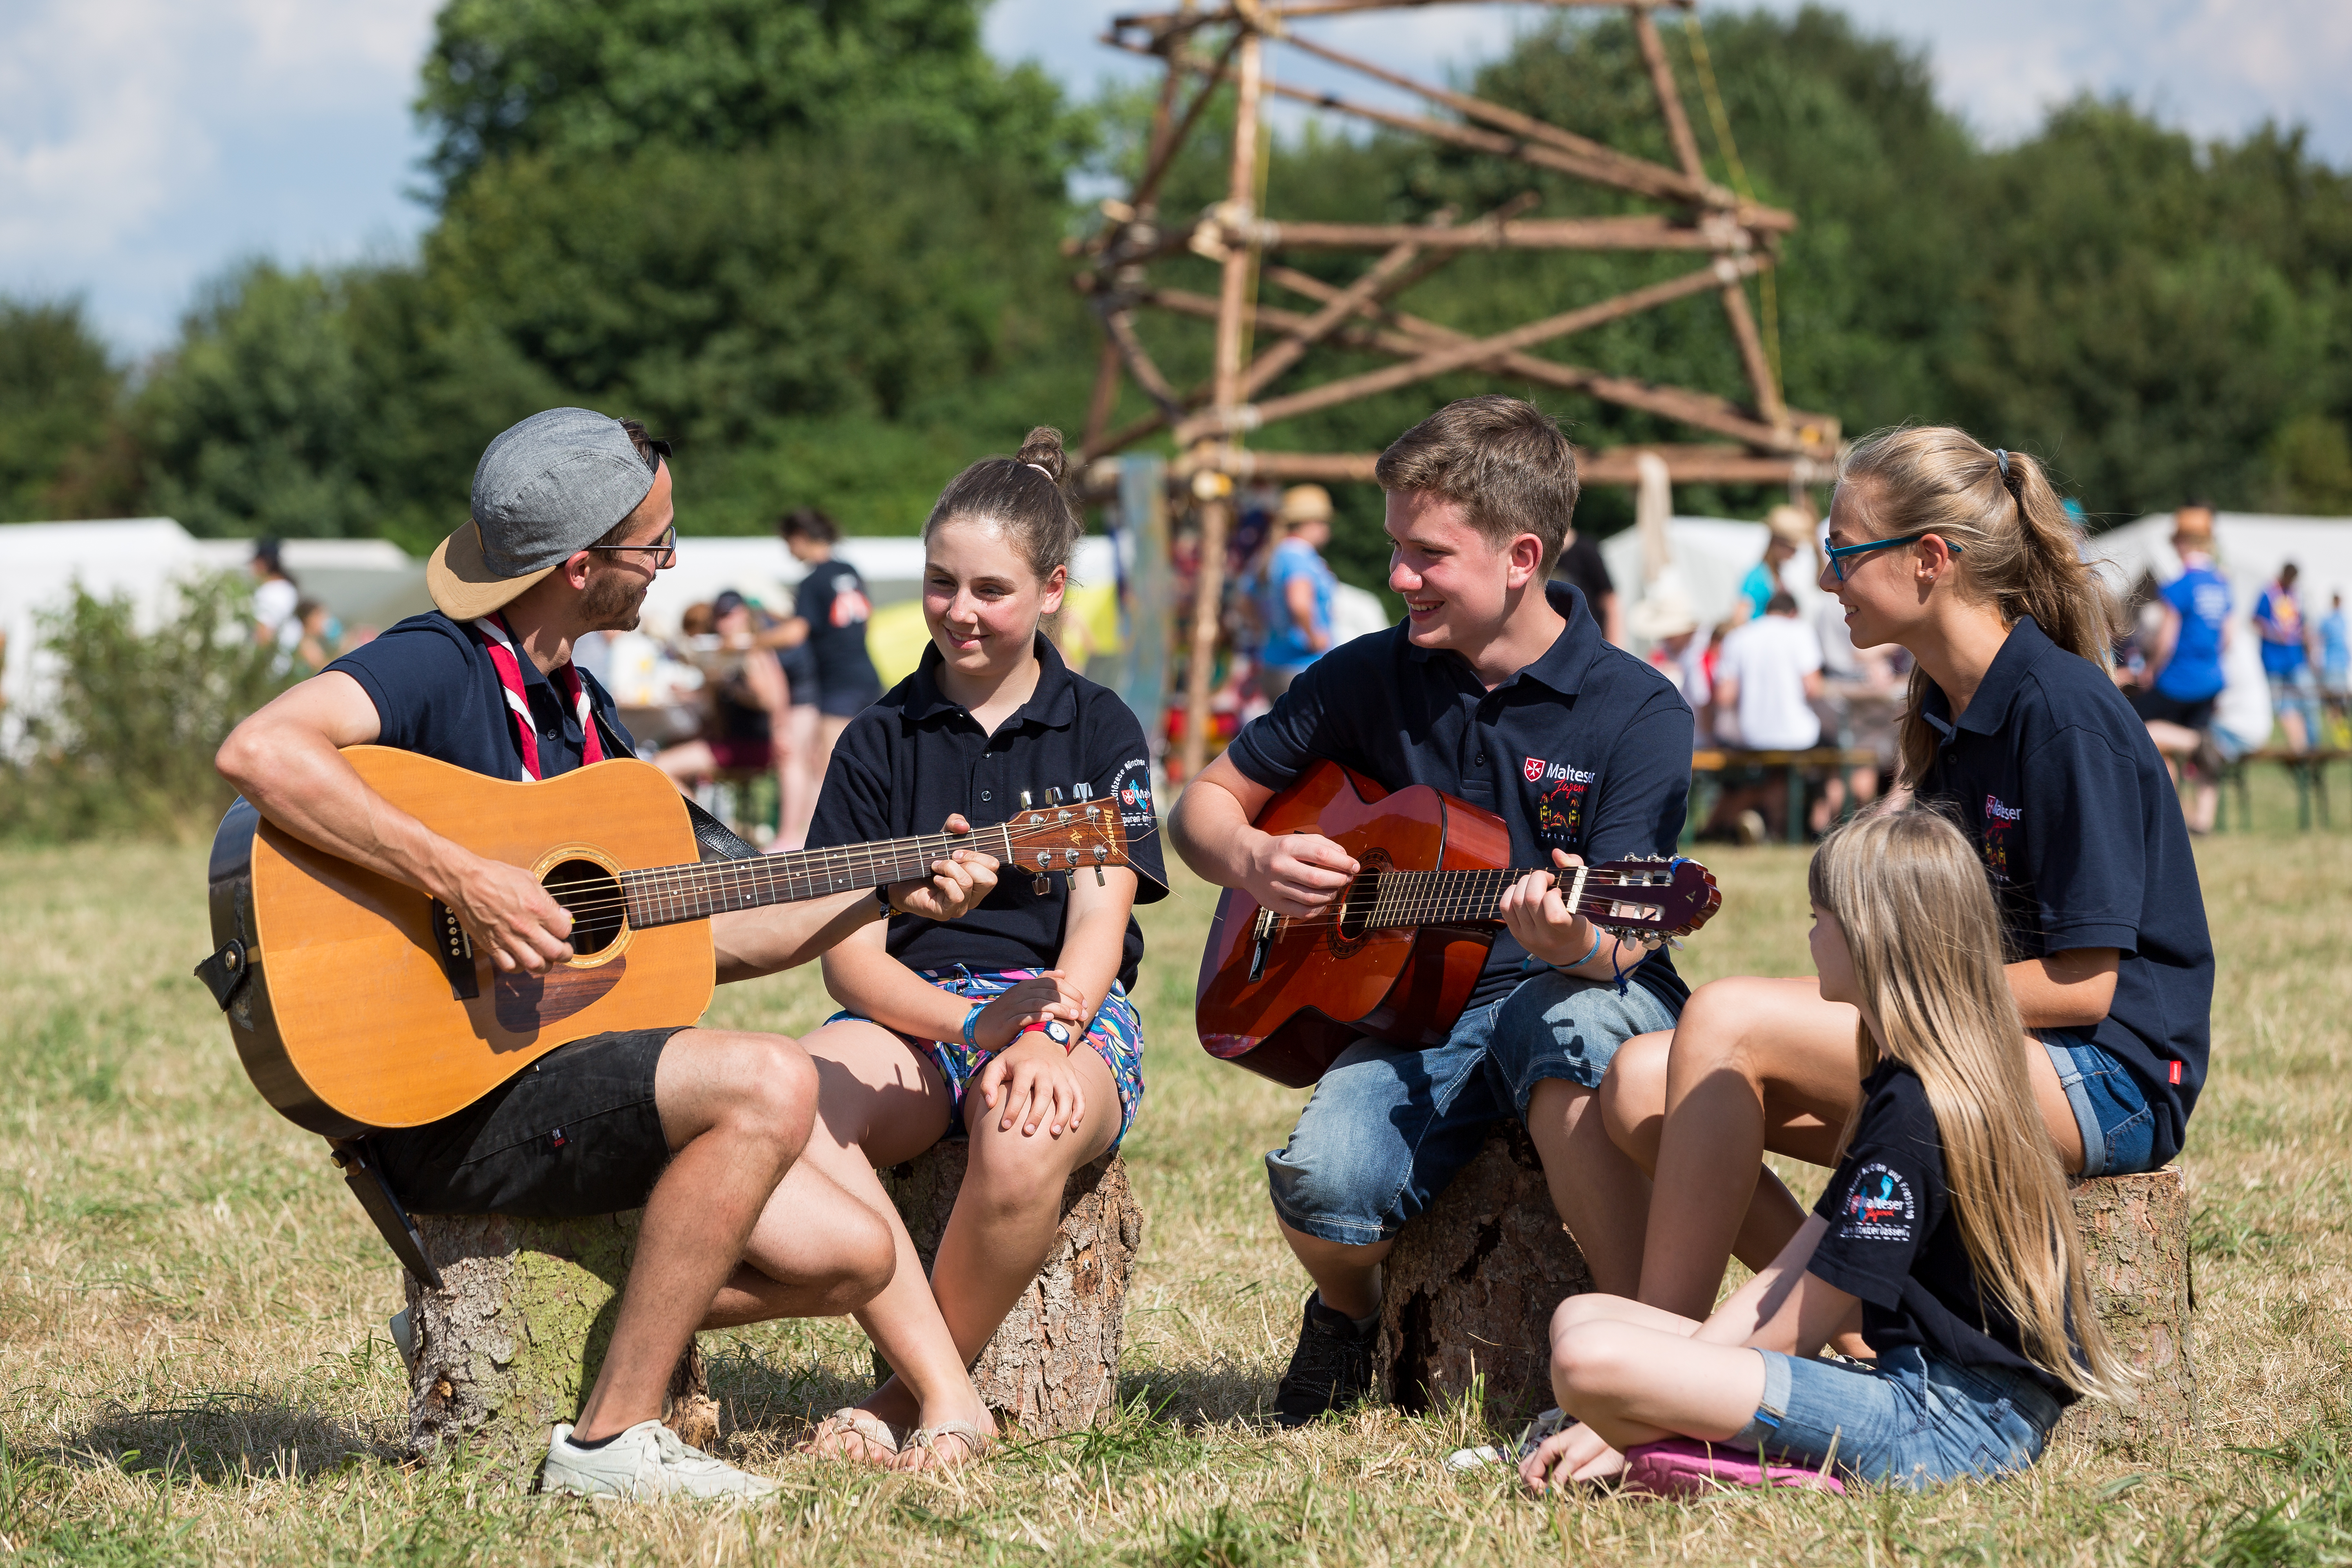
[850, 1421]
[926, 1441]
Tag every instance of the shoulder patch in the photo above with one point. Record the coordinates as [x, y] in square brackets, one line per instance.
[1878, 1206]
[1131, 787]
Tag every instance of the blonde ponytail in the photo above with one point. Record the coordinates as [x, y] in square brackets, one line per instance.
[1919, 921]
[2018, 548]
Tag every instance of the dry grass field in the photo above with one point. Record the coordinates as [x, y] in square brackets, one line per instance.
[194, 1365]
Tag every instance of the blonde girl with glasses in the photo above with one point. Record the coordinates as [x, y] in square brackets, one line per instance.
[1945, 1232]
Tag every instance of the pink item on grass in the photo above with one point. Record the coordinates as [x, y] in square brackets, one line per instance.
[1681, 1466]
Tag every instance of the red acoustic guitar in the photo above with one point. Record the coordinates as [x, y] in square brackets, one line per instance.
[1397, 956]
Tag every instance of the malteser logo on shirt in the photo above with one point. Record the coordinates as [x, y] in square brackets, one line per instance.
[1536, 769]
[1131, 787]
[1998, 821]
[1878, 1207]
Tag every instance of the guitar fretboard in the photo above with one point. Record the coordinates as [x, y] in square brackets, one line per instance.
[666, 895]
[1450, 898]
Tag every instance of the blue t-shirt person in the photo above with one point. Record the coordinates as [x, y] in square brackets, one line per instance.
[2200, 597]
[2279, 615]
[1285, 646]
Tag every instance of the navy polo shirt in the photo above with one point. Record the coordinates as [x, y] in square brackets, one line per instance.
[905, 763]
[437, 693]
[2053, 776]
[1586, 750]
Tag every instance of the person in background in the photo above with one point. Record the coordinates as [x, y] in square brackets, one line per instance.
[1766, 681]
[1791, 528]
[2336, 661]
[2241, 723]
[1862, 692]
[319, 639]
[748, 701]
[2286, 659]
[2184, 649]
[1665, 621]
[275, 598]
[1580, 565]
[1297, 596]
[830, 610]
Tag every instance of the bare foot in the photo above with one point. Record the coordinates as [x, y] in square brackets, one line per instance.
[851, 1432]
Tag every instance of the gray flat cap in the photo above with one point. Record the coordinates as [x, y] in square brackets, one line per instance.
[545, 487]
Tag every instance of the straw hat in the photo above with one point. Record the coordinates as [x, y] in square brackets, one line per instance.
[1790, 522]
[1305, 503]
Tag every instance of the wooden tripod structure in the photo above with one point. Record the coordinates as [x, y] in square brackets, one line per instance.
[1208, 48]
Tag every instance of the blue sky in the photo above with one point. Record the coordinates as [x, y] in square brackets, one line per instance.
[146, 144]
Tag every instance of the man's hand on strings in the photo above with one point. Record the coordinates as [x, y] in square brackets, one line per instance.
[959, 881]
[1533, 911]
[1296, 873]
[506, 912]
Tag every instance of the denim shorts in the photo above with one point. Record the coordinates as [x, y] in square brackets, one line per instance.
[2110, 1107]
[1910, 1421]
[1388, 1126]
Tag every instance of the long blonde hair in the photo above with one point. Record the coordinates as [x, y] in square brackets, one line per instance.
[2019, 549]
[1926, 939]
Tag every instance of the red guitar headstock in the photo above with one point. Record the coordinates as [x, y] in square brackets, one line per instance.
[1064, 836]
[1648, 899]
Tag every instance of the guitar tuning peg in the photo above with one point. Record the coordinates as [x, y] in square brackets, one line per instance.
[1024, 800]
[1043, 885]
[1052, 797]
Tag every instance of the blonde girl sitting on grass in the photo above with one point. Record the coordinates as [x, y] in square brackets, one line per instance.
[1944, 1234]
[1016, 1031]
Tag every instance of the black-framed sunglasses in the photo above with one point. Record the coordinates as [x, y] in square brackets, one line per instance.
[664, 550]
[1838, 553]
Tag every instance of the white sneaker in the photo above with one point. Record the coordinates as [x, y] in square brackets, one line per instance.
[646, 1461]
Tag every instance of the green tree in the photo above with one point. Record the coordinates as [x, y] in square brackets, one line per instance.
[597, 78]
[57, 391]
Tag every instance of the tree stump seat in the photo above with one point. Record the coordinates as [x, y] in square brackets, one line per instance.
[512, 1343]
[1053, 1365]
[1472, 1283]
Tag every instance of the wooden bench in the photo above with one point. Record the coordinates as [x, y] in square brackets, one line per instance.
[2309, 771]
[1470, 1287]
[512, 1340]
[1710, 762]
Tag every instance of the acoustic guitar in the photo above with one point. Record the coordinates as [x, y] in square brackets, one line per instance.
[358, 1003]
[1396, 956]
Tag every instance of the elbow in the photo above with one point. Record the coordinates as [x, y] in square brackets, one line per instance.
[241, 757]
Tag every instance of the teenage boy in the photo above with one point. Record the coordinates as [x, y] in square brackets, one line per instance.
[701, 1128]
[1502, 692]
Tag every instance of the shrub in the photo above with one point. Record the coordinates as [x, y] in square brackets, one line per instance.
[124, 741]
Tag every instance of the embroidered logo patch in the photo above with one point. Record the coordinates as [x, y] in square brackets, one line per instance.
[1998, 820]
[1131, 787]
[1559, 813]
[1533, 769]
[1878, 1207]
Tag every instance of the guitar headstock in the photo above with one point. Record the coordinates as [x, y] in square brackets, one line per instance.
[1064, 836]
[1650, 899]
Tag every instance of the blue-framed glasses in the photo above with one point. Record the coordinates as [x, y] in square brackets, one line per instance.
[1838, 553]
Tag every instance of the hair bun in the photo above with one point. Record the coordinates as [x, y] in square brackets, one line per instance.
[1043, 450]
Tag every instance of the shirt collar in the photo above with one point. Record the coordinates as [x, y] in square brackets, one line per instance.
[1561, 665]
[1988, 710]
[1054, 705]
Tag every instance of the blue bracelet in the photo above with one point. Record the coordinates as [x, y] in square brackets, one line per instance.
[970, 1022]
[1589, 952]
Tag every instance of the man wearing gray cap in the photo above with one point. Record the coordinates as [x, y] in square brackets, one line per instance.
[703, 1127]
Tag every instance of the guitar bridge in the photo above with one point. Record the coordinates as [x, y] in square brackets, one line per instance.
[1262, 934]
[454, 949]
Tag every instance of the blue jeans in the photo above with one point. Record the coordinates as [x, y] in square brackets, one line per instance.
[1911, 1421]
[1388, 1126]
[2110, 1107]
[2298, 693]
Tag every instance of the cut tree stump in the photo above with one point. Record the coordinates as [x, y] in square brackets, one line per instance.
[2135, 1232]
[1470, 1287]
[513, 1342]
[1472, 1283]
[1053, 1364]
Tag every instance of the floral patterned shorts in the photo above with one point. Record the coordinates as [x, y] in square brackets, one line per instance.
[1117, 1036]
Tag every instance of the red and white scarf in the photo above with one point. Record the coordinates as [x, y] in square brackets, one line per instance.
[498, 639]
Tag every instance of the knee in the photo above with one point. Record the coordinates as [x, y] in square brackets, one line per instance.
[770, 1090]
[1009, 1175]
[869, 1261]
[1575, 1312]
[1716, 1023]
[1634, 1094]
[1592, 1358]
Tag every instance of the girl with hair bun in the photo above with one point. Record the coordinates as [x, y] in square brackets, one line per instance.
[1946, 1230]
[1015, 1031]
[1965, 556]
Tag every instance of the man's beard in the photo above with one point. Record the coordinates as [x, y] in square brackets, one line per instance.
[611, 602]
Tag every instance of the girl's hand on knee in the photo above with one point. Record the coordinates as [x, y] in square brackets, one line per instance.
[1037, 1085]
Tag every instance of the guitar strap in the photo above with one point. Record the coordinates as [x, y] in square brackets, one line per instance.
[497, 640]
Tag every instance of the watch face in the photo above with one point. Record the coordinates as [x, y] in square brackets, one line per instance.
[1058, 1033]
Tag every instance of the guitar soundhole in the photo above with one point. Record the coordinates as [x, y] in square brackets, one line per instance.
[593, 896]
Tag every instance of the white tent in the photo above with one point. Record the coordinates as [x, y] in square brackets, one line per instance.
[2251, 547]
